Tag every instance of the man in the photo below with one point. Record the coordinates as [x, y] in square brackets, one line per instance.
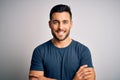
[61, 58]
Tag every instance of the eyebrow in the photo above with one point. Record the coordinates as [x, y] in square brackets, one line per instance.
[55, 20]
[58, 20]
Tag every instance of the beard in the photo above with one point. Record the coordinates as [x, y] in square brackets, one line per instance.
[57, 38]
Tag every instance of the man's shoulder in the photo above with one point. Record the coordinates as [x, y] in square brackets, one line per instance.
[43, 45]
[79, 45]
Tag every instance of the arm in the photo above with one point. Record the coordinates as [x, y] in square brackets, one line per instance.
[85, 73]
[92, 76]
[38, 75]
[36, 66]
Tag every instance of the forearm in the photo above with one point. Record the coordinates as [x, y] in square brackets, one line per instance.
[38, 75]
[39, 78]
[46, 78]
[93, 76]
[85, 73]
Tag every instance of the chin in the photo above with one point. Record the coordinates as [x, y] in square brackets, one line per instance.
[61, 39]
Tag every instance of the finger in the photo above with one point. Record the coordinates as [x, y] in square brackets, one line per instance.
[84, 73]
[82, 67]
[90, 69]
[33, 75]
[78, 77]
[87, 77]
[87, 73]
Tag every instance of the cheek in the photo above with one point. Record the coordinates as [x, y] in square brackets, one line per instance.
[68, 27]
[54, 27]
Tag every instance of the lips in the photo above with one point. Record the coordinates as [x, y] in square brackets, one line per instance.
[60, 32]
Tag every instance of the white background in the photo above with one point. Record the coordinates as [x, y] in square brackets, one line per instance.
[24, 25]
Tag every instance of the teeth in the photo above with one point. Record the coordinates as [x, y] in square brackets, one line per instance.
[60, 32]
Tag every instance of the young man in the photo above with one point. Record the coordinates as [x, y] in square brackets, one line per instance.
[61, 58]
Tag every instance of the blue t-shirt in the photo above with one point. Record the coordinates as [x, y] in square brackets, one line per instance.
[60, 63]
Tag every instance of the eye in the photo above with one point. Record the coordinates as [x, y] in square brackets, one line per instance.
[55, 22]
[65, 22]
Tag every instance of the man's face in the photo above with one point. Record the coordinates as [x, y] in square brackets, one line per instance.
[60, 25]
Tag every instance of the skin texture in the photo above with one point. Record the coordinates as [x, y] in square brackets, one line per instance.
[60, 26]
[85, 73]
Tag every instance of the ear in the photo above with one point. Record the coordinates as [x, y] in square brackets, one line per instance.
[71, 23]
[49, 24]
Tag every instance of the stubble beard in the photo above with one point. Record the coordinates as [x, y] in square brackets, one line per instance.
[58, 39]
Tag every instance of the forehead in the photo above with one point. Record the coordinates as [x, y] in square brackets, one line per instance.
[61, 16]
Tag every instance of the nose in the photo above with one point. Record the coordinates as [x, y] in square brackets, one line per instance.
[60, 25]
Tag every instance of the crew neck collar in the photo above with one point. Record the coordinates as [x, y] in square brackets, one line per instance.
[62, 47]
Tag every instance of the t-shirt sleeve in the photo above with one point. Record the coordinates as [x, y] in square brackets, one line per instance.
[86, 57]
[36, 61]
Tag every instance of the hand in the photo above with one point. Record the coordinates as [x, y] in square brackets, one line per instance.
[83, 73]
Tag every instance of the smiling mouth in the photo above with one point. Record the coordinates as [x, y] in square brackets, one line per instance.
[60, 32]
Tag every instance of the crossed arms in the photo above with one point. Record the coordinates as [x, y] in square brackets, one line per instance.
[83, 73]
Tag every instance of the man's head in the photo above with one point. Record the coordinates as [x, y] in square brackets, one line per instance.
[60, 22]
[60, 8]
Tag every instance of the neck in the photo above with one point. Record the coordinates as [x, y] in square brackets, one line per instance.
[62, 44]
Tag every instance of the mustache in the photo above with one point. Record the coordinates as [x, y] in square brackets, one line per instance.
[60, 30]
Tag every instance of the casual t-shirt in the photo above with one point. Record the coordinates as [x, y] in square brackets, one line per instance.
[60, 63]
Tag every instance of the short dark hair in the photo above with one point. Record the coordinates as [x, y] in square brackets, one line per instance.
[60, 8]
